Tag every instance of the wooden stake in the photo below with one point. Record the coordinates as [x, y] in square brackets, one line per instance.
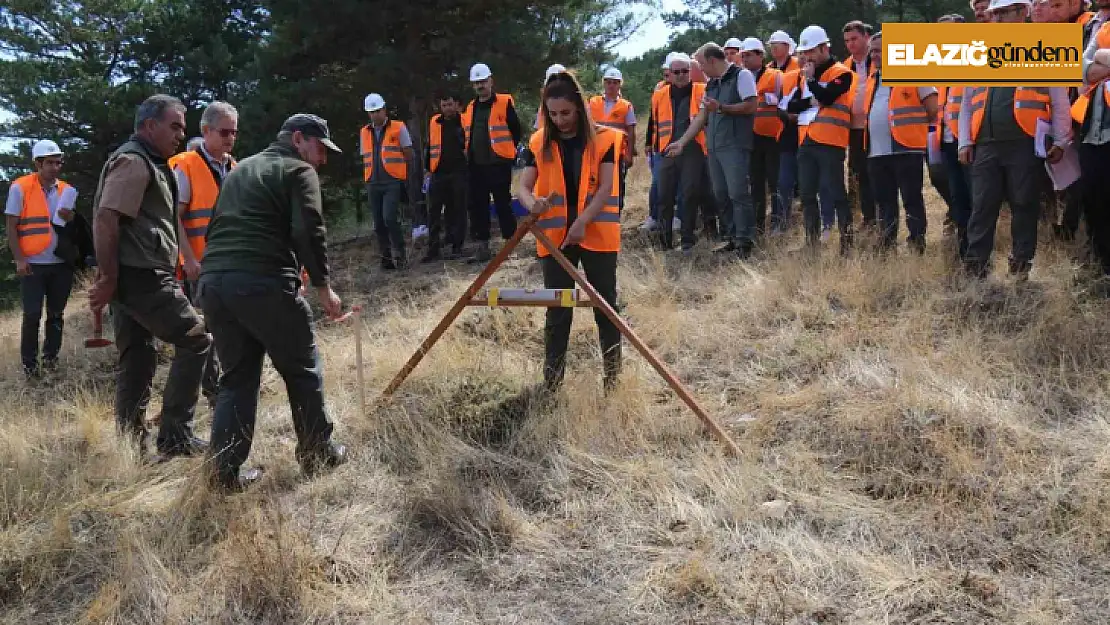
[358, 362]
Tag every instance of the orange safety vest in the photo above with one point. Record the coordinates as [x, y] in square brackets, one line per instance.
[833, 122]
[203, 191]
[435, 141]
[791, 65]
[33, 228]
[659, 85]
[664, 117]
[615, 119]
[1030, 104]
[909, 121]
[952, 98]
[603, 234]
[1079, 108]
[501, 140]
[767, 122]
[393, 155]
[792, 80]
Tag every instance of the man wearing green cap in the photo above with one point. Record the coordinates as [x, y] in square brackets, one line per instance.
[268, 224]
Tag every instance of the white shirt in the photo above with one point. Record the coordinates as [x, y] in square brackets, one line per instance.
[68, 200]
[184, 189]
[745, 84]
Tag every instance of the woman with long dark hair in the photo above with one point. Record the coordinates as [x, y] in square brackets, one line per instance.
[569, 180]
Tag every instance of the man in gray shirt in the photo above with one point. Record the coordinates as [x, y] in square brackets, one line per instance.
[727, 113]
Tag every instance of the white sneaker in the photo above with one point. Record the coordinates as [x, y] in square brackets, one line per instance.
[826, 234]
[649, 224]
[676, 224]
[419, 231]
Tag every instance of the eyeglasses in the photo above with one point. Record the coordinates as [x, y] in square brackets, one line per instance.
[228, 132]
[680, 71]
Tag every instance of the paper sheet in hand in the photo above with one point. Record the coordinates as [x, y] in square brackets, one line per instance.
[935, 157]
[785, 101]
[1044, 130]
[1066, 172]
[770, 98]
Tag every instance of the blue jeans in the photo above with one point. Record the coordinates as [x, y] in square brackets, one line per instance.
[821, 171]
[656, 160]
[788, 177]
[385, 207]
[959, 179]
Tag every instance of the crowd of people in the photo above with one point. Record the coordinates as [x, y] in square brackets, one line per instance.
[732, 132]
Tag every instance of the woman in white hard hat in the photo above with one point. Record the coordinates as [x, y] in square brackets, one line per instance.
[569, 180]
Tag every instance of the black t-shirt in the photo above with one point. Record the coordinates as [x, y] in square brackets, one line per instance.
[570, 152]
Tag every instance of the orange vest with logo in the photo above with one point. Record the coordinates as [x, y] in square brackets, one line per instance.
[833, 122]
[603, 234]
[393, 155]
[501, 140]
[767, 122]
[909, 121]
[33, 228]
[664, 117]
[1030, 105]
[203, 191]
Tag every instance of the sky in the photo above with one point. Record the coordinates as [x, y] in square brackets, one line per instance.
[653, 34]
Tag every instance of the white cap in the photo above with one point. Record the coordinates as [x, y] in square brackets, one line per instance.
[44, 148]
[373, 102]
[480, 71]
[551, 71]
[679, 57]
[613, 74]
[752, 44]
[733, 43]
[1002, 4]
[811, 37]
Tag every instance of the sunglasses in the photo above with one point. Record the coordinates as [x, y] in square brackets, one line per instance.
[680, 71]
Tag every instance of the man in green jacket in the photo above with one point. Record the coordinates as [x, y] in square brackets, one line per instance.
[135, 234]
[268, 224]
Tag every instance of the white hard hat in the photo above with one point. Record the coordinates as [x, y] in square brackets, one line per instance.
[780, 36]
[752, 44]
[480, 71]
[812, 36]
[733, 43]
[613, 74]
[679, 57]
[373, 102]
[45, 148]
[551, 71]
[1002, 4]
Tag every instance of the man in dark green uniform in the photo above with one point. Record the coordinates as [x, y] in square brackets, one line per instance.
[268, 225]
[135, 233]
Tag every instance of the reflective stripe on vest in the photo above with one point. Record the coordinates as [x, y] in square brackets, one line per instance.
[832, 123]
[1030, 105]
[393, 155]
[33, 228]
[767, 122]
[952, 110]
[615, 119]
[603, 234]
[203, 191]
[664, 118]
[791, 80]
[501, 140]
[908, 119]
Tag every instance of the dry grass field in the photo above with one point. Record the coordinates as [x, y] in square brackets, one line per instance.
[939, 450]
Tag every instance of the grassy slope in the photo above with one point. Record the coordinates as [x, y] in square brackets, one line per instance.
[943, 446]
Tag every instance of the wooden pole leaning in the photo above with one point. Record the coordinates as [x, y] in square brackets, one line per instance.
[645, 351]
